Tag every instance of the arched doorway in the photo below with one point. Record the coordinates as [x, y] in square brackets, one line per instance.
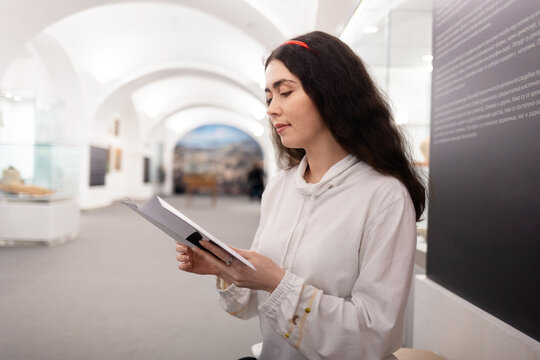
[216, 153]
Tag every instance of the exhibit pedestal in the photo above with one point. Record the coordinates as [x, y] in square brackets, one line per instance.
[45, 222]
[457, 330]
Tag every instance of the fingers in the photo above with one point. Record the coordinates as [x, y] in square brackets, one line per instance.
[182, 249]
[186, 266]
[185, 262]
[234, 273]
[216, 250]
[207, 257]
[199, 261]
[182, 258]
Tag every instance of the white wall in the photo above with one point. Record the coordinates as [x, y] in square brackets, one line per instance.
[457, 330]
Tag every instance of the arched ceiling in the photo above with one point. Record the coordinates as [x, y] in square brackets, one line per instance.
[112, 42]
[186, 119]
[21, 20]
[164, 55]
[149, 104]
[155, 100]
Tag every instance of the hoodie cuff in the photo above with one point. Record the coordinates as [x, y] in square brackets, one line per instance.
[285, 295]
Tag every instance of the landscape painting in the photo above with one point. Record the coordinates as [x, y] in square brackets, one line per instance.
[219, 153]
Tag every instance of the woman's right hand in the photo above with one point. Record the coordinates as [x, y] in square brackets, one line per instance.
[193, 263]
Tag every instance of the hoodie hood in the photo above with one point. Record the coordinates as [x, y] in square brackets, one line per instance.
[331, 178]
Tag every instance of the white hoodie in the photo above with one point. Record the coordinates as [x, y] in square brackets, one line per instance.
[347, 243]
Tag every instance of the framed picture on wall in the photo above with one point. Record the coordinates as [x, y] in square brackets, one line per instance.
[146, 176]
[98, 165]
[116, 129]
[118, 159]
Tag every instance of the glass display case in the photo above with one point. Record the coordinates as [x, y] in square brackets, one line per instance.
[36, 160]
[39, 171]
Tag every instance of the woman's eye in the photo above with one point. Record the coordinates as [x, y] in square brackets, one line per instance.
[268, 101]
[287, 93]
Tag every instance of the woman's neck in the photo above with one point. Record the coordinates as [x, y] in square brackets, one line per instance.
[320, 160]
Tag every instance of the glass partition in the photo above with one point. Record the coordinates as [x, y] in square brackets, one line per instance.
[393, 38]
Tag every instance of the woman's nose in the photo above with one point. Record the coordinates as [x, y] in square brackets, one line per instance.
[273, 108]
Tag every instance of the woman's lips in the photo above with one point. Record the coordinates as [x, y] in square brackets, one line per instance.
[281, 127]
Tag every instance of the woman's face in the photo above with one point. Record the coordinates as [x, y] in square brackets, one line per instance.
[291, 110]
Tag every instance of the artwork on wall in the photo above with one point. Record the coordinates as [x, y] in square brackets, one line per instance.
[146, 174]
[116, 130]
[98, 165]
[118, 159]
[219, 152]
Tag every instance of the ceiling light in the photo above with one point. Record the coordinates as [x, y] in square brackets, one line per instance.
[370, 29]
[17, 98]
[427, 58]
[7, 95]
[152, 113]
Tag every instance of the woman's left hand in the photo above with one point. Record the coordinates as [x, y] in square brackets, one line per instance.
[267, 277]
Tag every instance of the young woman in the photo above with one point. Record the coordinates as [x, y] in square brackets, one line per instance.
[335, 246]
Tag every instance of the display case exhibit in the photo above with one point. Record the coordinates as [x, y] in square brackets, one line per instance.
[39, 171]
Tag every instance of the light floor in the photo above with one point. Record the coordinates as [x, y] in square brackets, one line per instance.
[116, 292]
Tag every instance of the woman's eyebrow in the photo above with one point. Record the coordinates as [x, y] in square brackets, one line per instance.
[278, 83]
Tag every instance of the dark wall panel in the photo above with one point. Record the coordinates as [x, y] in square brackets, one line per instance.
[99, 158]
[484, 211]
[146, 169]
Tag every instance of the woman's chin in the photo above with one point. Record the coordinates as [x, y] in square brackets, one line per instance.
[289, 143]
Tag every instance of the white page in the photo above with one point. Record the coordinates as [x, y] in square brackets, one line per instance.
[177, 225]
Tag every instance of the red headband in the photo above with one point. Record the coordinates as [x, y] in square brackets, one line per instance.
[296, 42]
[302, 44]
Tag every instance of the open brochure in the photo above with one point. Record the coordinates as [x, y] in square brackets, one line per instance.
[177, 225]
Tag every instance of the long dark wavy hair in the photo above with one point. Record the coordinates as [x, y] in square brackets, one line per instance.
[351, 106]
